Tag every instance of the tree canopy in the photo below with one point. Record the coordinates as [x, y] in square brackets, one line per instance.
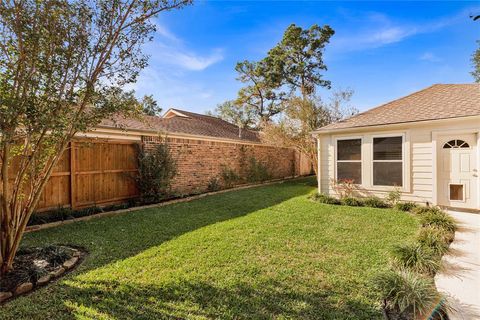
[63, 67]
[150, 106]
[281, 93]
[298, 59]
[294, 65]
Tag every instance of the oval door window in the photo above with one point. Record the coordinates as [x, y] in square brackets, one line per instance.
[455, 144]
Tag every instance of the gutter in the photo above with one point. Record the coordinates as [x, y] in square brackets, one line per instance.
[321, 131]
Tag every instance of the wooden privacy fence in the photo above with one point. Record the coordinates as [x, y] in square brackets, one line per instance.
[92, 172]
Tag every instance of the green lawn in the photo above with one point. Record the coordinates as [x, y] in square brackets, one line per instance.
[260, 253]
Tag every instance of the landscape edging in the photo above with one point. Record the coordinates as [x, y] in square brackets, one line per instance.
[155, 205]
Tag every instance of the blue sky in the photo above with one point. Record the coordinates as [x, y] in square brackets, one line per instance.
[381, 50]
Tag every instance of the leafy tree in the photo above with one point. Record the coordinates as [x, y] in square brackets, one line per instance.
[302, 116]
[63, 64]
[261, 95]
[241, 115]
[149, 106]
[476, 64]
[298, 59]
[476, 55]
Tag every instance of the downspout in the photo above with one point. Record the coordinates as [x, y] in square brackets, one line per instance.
[319, 172]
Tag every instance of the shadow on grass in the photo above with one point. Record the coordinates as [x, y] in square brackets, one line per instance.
[187, 300]
[115, 238]
[92, 292]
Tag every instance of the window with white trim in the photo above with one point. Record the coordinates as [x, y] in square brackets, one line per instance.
[388, 161]
[349, 160]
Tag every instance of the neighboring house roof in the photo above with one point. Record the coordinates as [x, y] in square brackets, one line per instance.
[183, 122]
[440, 101]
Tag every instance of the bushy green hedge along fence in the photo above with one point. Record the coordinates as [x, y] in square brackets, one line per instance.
[407, 289]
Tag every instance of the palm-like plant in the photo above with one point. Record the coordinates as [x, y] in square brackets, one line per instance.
[416, 257]
[439, 219]
[406, 294]
[435, 238]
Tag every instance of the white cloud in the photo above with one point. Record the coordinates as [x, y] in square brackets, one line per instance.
[189, 60]
[168, 49]
[379, 30]
[388, 35]
[429, 56]
[165, 33]
[206, 95]
[172, 74]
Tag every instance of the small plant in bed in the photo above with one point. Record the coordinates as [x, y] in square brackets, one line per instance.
[436, 239]
[375, 202]
[405, 206]
[32, 263]
[416, 257]
[394, 196]
[439, 219]
[214, 184]
[62, 214]
[352, 202]
[406, 294]
[323, 198]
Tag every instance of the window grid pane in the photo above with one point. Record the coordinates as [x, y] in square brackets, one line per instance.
[388, 173]
[388, 161]
[349, 149]
[388, 148]
[349, 160]
[350, 171]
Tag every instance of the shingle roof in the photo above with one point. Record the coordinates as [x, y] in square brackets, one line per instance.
[187, 123]
[440, 101]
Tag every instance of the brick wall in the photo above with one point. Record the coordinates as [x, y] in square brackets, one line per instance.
[199, 160]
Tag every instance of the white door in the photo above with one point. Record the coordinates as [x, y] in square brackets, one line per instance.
[458, 181]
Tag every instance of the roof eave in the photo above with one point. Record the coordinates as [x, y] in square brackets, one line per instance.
[153, 132]
[389, 125]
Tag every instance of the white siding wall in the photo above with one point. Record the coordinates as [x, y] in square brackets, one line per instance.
[419, 155]
[421, 166]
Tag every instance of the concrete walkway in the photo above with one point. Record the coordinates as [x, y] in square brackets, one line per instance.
[460, 279]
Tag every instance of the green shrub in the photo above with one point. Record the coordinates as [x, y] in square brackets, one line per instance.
[422, 210]
[353, 202]
[375, 202]
[405, 293]
[416, 257]
[323, 198]
[62, 214]
[405, 206]
[56, 255]
[257, 171]
[214, 184]
[438, 219]
[434, 238]
[29, 273]
[229, 177]
[394, 196]
[156, 169]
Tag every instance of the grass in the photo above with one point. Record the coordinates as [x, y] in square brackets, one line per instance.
[261, 253]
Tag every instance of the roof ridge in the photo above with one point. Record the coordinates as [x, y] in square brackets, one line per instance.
[200, 114]
[209, 116]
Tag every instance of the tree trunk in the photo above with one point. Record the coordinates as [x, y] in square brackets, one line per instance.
[6, 215]
[13, 217]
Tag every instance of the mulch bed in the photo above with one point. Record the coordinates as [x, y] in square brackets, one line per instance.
[37, 266]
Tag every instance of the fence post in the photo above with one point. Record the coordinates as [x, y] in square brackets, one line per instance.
[72, 175]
